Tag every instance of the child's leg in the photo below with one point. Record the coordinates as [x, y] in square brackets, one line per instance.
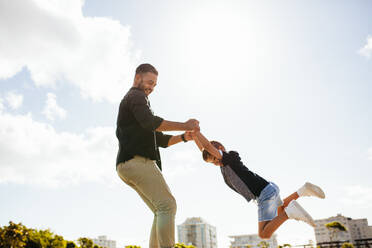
[287, 200]
[269, 218]
[267, 228]
[308, 189]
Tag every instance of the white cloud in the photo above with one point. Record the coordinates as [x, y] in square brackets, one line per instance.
[367, 49]
[52, 109]
[56, 42]
[14, 100]
[358, 196]
[37, 154]
[370, 153]
[1, 105]
[184, 162]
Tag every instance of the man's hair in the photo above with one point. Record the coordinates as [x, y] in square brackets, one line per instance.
[144, 68]
[206, 154]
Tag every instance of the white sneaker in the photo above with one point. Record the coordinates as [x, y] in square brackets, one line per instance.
[309, 189]
[296, 212]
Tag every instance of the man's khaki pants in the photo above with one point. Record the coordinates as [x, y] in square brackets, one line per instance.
[144, 176]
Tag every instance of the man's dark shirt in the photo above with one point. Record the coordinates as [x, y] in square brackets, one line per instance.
[239, 178]
[135, 130]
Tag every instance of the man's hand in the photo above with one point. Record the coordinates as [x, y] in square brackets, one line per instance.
[189, 135]
[192, 124]
[193, 134]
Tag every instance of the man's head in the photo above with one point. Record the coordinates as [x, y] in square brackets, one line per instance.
[209, 158]
[146, 78]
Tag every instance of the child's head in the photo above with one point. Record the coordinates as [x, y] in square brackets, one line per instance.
[209, 158]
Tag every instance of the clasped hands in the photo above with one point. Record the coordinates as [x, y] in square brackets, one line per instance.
[193, 127]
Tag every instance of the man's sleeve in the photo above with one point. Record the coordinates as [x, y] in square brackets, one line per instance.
[162, 140]
[143, 114]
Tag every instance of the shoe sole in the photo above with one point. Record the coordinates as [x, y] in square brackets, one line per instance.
[309, 220]
[315, 190]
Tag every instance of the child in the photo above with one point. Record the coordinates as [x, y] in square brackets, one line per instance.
[272, 211]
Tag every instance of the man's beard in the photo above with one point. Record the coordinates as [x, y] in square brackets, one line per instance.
[142, 87]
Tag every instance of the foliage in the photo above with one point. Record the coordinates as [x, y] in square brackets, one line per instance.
[57, 242]
[19, 236]
[182, 245]
[44, 239]
[336, 226]
[284, 245]
[85, 243]
[263, 244]
[178, 245]
[71, 244]
[13, 236]
[347, 245]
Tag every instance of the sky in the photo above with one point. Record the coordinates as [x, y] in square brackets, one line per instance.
[286, 84]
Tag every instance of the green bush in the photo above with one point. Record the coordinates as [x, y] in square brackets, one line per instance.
[347, 245]
[19, 236]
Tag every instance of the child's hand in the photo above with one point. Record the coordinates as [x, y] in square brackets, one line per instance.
[193, 134]
[219, 163]
[189, 135]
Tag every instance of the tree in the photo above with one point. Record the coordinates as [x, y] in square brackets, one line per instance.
[19, 236]
[57, 242]
[347, 245]
[44, 239]
[263, 244]
[85, 243]
[71, 244]
[182, 245]
[335, 227]
[285, 245]
[13, 236]
[35, 240]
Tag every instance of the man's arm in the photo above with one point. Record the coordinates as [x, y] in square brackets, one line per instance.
[138, 105]
[169, 140]
[204, 142]
[178, 126]
[144, 116]
[177, 138]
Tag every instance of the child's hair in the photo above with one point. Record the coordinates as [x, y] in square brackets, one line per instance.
[206, 154]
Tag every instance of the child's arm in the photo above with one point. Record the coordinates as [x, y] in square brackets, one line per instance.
[203, 143]
[197, 142]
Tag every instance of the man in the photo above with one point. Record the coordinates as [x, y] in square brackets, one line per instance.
[138, 163]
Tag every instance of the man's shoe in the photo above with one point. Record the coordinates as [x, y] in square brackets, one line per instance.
[309, 189]
[296, 212]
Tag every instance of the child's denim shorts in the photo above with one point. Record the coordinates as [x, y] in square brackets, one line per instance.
[268, 202]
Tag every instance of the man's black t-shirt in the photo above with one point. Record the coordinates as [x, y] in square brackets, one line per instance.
[136, 125]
